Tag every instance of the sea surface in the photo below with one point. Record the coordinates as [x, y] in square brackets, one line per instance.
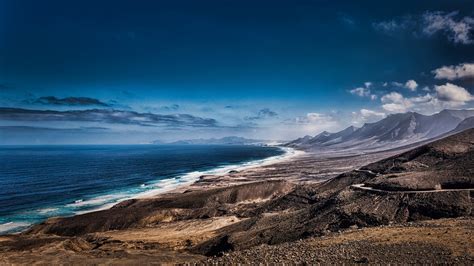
[37, 182]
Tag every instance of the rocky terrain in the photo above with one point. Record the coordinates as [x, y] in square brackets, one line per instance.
[381, 212]
[426, 242]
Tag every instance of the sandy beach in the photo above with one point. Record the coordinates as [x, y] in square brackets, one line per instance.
[297, 167]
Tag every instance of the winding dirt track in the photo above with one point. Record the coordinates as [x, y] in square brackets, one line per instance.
[362, 187]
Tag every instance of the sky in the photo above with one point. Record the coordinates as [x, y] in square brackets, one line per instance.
[126, 72]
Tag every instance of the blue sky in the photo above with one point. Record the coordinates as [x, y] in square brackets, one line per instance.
[261, 69]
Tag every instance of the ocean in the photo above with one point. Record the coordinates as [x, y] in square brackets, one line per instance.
[38, 182]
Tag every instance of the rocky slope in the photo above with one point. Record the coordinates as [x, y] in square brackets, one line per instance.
[428, 242]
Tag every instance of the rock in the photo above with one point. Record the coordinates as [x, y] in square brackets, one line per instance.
[362, 260]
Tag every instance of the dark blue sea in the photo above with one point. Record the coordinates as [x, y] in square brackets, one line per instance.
[37, 182]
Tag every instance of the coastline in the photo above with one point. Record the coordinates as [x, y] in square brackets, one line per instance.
[180, 184]
[294, 166]
[193, 178]
[176, 184]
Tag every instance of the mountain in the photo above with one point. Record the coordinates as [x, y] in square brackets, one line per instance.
[465, 124]
[230, 140]
[393, 131]
[300, 141]
[333, 138]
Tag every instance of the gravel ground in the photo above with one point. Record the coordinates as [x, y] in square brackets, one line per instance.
[447, 241]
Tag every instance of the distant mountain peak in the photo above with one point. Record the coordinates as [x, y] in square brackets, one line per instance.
[228, 140]
[350, 128]
[392, 131]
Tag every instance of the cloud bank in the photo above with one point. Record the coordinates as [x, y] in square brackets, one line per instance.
[453, 93]
[461, 71]
[262, 114]
[366, 115]
[445, 96]
[70, 101]
[106, 116]
[457, 29]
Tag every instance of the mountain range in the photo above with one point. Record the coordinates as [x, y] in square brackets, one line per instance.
[230, 140]
[395, 130]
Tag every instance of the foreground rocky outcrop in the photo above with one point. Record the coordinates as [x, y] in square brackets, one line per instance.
[136, 213]
[426, 242]
[429, 182]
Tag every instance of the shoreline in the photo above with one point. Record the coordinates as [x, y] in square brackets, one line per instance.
[182, 183]
[176, 184]
[223, 171]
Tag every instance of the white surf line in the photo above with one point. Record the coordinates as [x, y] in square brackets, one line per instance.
[12, 226]
[166, 185]
[363, 187]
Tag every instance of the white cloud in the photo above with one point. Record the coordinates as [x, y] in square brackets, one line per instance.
[411, 85]
[446, 96]
[317, 118]
[394, 102]
[366, 115]
[459, 31]
[395, 107]
[421, 99]
[392, 97]
[393, 26]
[453, 93]
[397, 84]
[311, 124]
[460, 71]
[362, 92]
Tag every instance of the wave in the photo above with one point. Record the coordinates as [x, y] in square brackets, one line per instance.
[13, 227]
[47, 210]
